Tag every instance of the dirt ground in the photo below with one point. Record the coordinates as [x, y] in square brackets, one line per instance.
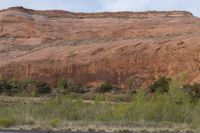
[93, 131]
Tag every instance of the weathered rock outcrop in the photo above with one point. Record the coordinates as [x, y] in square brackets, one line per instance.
[91, 48]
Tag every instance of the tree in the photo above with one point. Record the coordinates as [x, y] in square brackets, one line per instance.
[161, 85]
[43, 88]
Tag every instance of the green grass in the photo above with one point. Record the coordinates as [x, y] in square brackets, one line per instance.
[6, 123]
[172, 108]
[54, 122]
[159, 109]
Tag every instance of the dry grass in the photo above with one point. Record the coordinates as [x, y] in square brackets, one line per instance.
[172, 110]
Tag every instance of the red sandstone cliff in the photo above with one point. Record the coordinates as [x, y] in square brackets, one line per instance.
[90, 48]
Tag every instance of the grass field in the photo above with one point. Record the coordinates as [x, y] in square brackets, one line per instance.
[175, 110]
[160, 111]
[64, 113]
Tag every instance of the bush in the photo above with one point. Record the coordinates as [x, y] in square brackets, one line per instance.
[4, 86]
[43, 88]
[193, 90]
[63, 84]
[78, 89]
[54, 122]
[23, 87]
[9, 87]
[161, 85]
[105, 87]
[16, 86]
[13, 86]
[6, 123]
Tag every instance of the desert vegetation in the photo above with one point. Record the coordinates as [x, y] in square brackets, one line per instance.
[26, 87]
[166, 102]
[35, 88]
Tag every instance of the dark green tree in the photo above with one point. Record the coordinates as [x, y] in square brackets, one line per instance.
[161, 85]
[43, 88]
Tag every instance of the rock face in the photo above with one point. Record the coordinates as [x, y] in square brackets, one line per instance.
[91, 48]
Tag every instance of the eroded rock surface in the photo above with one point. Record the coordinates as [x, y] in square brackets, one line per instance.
[91, 48]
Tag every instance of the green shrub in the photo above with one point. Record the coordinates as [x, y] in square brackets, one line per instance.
[9, 87]
[20, 87]
[43, 88]
[6, 123]
[161, 85]
[16, 86]
[126, 131]
[4, 86]
[193, 89]
[91, 130]
[63, 84]
[13, 87]
[100, 97]
[105, 87]
[78, 89]
[54, 122]
[194, 92]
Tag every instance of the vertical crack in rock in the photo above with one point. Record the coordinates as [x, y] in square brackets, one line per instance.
[1, 29]
[199, 61]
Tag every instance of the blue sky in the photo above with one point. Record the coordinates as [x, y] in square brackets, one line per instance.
[107, 5]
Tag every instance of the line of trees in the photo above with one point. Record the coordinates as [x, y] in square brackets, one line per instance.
[36, 88]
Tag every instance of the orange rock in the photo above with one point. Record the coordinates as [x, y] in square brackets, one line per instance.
[90, 48]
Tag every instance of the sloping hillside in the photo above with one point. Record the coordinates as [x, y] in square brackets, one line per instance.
[91, 48]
